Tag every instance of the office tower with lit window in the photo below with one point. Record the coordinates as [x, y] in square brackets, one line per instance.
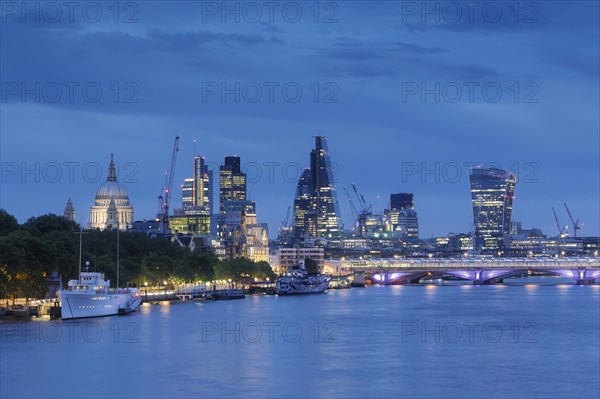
[324, 191]
[187, 193]
[202, 196]
[401, 218]
[316, 208]
[492, 194]
[305, 219]
[232, 181]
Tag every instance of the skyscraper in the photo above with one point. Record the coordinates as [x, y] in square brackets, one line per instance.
[197, 202]
[202, 195]
[401, 200]
[232, 181]
[324, 192]
[187, 193]
[492, 194]
[402, 219]
[305, 218]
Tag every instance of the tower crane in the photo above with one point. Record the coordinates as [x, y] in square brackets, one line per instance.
[352, 207]
[165, 194]
[561, 232]
[361, 200]
[576, 225]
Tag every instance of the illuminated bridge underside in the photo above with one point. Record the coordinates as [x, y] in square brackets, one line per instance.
[480, 276]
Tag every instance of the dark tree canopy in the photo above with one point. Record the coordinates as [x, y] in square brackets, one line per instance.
[29, 252]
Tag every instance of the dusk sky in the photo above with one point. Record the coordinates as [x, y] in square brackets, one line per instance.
[513, 87]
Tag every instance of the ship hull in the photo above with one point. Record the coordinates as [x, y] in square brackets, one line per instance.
[82, 305]
[299, 288]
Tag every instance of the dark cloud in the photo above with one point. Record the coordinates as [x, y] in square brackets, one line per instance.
[271, 27]
[171, 53]
[473, 72]
[584, 64]
[414, 48]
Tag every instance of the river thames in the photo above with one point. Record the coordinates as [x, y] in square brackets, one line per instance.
[446, 341]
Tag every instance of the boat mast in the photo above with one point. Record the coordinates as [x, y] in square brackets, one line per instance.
[80, 240]
[118, 254]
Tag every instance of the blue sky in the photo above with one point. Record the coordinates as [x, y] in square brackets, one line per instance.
[407, 96]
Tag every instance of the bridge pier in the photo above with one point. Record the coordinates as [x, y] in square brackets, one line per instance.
[584, 282]
[488, 282]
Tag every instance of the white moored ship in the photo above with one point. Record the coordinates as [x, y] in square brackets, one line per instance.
[298, 282]
[91, 296]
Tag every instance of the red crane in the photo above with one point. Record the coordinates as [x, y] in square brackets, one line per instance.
[576, 225]
[165, 194]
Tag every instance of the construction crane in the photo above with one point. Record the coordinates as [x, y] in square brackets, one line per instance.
[561, 232]
[576, 225]
[165, 194]
[352, 207]
[361, 200]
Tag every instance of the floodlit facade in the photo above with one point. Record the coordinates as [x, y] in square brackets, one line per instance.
[232, 181]
[492, 194]
[111, 207]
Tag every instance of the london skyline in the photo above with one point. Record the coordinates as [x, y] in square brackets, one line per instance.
[264, 171]
[384, 148]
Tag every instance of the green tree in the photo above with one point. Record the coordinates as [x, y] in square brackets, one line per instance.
[23, 262]
[46, 223]
[262, 271]
[201, 265]
[8, 223]
[157, 268]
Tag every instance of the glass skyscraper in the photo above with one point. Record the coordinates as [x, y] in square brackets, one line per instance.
[305, 216]
[492, 194]
[202, 197]
[316, 208]
[187, 193]
[232, 181]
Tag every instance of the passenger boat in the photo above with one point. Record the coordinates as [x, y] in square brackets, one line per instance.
[299, 282]
[91, 296]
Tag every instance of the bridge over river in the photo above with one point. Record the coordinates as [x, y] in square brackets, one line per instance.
[478, 270]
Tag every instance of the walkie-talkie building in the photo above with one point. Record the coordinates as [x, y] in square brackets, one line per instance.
[492, 194]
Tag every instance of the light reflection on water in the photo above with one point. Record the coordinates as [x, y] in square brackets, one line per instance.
[363, 342]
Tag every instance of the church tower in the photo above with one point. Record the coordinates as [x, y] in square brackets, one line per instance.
[70, 213]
